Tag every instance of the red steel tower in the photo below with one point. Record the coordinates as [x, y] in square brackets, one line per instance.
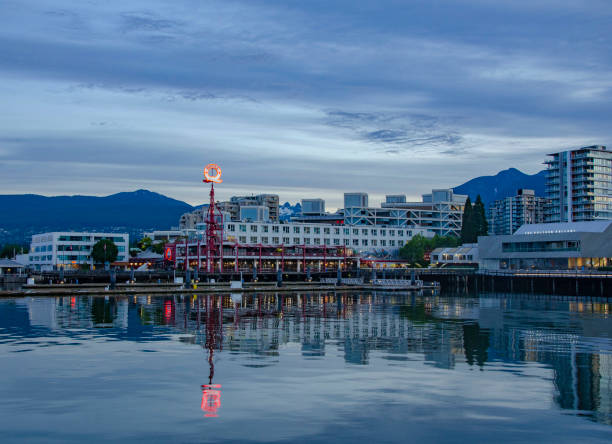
[214, 218]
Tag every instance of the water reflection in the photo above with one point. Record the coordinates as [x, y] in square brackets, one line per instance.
[572, 337]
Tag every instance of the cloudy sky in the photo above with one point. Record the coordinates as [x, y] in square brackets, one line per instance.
[303, 98]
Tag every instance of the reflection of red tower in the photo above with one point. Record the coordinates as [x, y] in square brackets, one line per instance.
[211, 397]
[214, 219]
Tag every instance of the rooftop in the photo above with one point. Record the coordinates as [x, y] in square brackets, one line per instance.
[596, 226]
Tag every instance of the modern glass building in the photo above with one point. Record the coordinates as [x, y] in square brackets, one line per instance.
[563, 246]
[313, 207]
[579, 185]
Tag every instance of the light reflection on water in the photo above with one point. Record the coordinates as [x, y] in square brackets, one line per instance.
[309, 366]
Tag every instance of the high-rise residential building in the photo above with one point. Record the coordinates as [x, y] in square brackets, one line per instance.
[255, 213]
[355, 200]
[579, 185]
[313, 207]
[266, 200]
[507, 215]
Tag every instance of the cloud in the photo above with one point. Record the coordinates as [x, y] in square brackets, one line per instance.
[303, 97]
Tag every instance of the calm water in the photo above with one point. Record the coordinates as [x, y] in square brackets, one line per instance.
[315, 367]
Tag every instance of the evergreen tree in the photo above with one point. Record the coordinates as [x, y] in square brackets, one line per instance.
[467, 223]
[481, 226]
[104, 250]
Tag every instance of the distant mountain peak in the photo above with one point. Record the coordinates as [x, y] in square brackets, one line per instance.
[503, 184]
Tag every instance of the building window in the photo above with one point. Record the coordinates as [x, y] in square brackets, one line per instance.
[355, 231]
[317, 241]
[285, 229]
[296, 240]
[326, 231]
[355, 241]
[296, 230]
[231, 227]
[336, 241]
[373, 232]
[307, 241]
[254, 228]
[383, 243]
[306, 230]
[392, 243]
[364, 231]
[286, 240]
[253, 239]
[275, 240]
[242, 228]
[347, 241]
[374, 242]
[265, 228]
[317, 230]
[275, 228]
[337, 231]
[242, 239]
[400, 233]
[264, 240]
[383, 232]
[347, 231]
[364, 242]
[391, 232]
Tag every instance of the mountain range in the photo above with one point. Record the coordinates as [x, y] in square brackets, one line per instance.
[139, 211]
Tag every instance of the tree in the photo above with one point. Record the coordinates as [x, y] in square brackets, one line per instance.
[415, 248]
[481, 226]
[104, 250]
[467, 223]
[158, 247]
[10, 250]
[144, 243]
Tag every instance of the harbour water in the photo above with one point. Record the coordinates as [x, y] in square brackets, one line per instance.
[308, 367]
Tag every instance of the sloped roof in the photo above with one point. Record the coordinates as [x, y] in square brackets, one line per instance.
[9, 263]
[595, 226]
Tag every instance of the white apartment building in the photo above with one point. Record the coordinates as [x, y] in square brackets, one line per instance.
[371, 239]
[71, 249]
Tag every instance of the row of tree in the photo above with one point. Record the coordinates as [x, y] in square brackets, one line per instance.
[474, 222]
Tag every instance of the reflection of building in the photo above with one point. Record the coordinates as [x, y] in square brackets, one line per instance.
[549, 246]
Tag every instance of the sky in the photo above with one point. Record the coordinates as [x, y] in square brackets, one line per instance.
[299, 98]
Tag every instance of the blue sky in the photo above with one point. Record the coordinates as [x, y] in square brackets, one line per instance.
[306, 99]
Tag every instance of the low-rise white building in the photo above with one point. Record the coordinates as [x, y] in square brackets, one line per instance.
[370, 239]
[71, 249]
[463, 255]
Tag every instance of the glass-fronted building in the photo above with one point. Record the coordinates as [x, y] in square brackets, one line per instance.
[558, 246]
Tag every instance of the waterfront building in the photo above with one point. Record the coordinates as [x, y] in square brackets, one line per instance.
[9, 266]
[71, 249]
[509, 214]
[567, 245]
[166, 235]
[579, 185]
[466, 254]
